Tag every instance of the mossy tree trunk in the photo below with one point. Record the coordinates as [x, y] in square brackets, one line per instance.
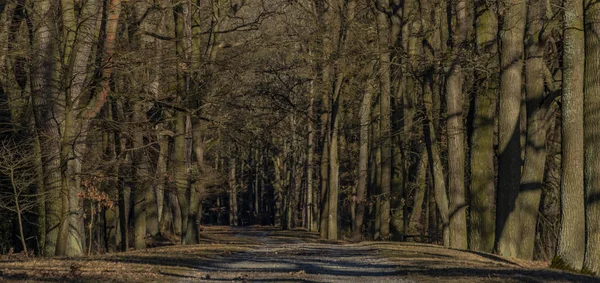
[482, 186]
[363, 159]
[591, 138]
[383, 43]
[455, 126]
[532, 178]
[571, 240]
[509, 144]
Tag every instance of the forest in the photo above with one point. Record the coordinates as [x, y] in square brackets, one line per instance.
[469, 124]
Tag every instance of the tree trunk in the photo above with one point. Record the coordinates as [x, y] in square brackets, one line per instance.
[142, 174]
[198, 185]
[456, 148]
[532, 179]
[334, 163]
[421, 187]
[383, 31]
[179, 170]
[324, 50]
[161, 172]
[509, 145]
[182, 140]
[43, 76]
[482, 187]
[363, 160]
[155, 196]
[310, 206]
[41, 191]
[591, 111]
[233, 215]
[434, 18]
[257, 188]
[571, 242]
[119, 155]
[324, 186]
[435, 166]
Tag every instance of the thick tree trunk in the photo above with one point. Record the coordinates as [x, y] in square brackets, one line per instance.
[43, 76]
[198, 185]
[174, 212]
[179, 170]
[78, 30]
[421, 186]
[571, 241]
[383, 31]
[182, 140]
[433, 18]
[532, 179]
[456, 148]
[334, 163]
[324, 50]
[482, 187]
[509, 145]
[436, 167]
[591, 138]
[363, 160]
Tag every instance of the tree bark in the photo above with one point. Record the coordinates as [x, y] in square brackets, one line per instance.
[43, 76]
[435, 166]
[334, 163]
[141, 185]
[310, 206]
[421, 182]
[456, 148]
[363, 159]
[509, 145]
[233, 213]
[198, 185]
[571, 242]
[532, 178]
[482, 187]
[591, 134]
[325, 83]
[180, 175]
[181, 155]
[383, 31]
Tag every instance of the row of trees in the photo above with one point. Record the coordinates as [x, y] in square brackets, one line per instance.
[457, 122]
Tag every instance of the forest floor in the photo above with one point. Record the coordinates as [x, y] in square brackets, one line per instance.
[260, 254]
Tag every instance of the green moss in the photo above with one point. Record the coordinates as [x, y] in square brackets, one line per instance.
[588, 272]
[559, 263]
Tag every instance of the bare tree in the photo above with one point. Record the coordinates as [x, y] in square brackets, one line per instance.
[18, 167]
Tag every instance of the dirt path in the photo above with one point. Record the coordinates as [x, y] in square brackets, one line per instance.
[267, 255]
[288, 259]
